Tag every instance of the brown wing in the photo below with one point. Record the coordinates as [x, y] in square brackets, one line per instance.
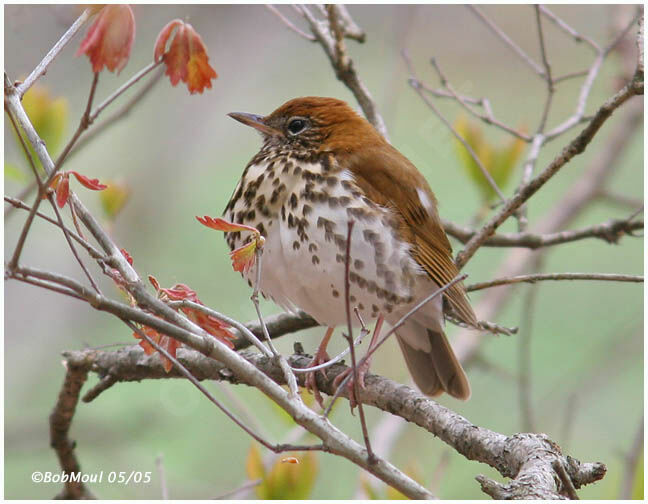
[390, 179]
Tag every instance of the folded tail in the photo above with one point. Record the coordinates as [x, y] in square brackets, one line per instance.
[431, 361]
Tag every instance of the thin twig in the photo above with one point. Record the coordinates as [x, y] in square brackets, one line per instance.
[547, 71]
[241, 328]
[404, 318]
[610, 47]
[290, 24]
[575, 147]
[71, 245]
[54, 206]
[610, 231]
[356, 386]
[524, 354]
[465, 102]
[123, 88]
[568, 29]
[41, 68]
[187, 374]
[610, 277]
[338, 21]
[49, 169]
[244, 487]
[94, 253]
[507, 41]
[416, 85]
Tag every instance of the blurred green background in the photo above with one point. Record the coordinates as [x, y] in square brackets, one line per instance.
[181, 156]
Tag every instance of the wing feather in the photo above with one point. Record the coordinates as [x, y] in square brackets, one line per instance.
[390, 179]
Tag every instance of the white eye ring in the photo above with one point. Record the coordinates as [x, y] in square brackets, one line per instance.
[296, 125]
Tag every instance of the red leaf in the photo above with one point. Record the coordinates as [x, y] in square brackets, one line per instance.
[110, 38]
[93, 184]
[163, 37]
[209, 323]
[243, 257]
[167, 343]
[187, 59]
[223, 225]
[62, 190]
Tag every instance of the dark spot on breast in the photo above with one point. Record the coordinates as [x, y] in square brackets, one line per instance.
[347, 184]
[307, 209]
[358, 264]
[312, 247]
[251, 215]
[352, 299]
[315, 259]
[293, 201]
[297, 170]
[339, 258]
[296, 245]
[344, 201]
[260, 201]
[261, 228]
[335, 293]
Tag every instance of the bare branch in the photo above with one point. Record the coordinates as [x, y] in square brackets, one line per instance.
[338, 22]
[289, 23]
[41, 68]
[60, 421]
[637, 17]
[574, 148]
[524, 457]
[610, 277]
[568, 29]
[465, 102]
[547, 71]
[507, 41]
[416, 85]
[123, 88]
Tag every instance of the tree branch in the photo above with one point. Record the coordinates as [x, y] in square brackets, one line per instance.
[526, 458]
[575, 147]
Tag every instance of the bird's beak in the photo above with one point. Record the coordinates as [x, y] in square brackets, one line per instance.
[255, 121]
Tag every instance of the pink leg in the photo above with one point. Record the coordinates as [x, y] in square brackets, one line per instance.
[363, 364]
[320, 358]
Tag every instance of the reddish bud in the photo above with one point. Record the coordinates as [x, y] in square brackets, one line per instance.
[186, 59]
[127, 256]
[62, 181]
[110, 38]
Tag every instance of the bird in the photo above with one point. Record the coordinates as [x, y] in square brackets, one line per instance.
[322, 165]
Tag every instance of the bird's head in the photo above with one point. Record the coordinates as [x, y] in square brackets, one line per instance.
[312, 124]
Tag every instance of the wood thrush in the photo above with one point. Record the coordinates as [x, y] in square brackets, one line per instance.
[322, 165]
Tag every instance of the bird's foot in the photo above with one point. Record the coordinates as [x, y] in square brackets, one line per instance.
[361, 371]
[321, 357]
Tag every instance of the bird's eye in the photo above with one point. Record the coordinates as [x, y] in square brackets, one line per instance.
[296, 126]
